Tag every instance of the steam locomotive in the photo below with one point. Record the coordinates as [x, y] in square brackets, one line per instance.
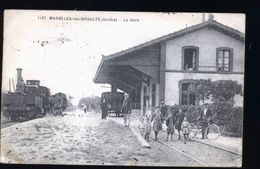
[31, 100]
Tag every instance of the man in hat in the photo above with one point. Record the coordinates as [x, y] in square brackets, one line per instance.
[126, 110]
[205, 118]
[163, 109]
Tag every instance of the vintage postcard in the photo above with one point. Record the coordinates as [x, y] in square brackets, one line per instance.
[122, 88]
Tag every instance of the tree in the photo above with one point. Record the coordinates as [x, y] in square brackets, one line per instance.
[225, 114]
[225, 90]
[93, 102]
[203, 89]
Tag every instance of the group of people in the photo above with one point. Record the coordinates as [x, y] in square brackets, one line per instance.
[154, 122]
[145, 127]
[177, 121]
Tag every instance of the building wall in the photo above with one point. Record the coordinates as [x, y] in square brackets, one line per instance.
[172, 83]
[207, 40]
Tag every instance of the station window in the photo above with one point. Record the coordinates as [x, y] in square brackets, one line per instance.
[190, 58]
[224, 59]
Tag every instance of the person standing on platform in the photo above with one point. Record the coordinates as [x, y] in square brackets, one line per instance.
[185, 127]
[204, 119]
[85, 108]
[179, 119]
[126, 110]
[141, 126]
[104, 108]
[170, 126]
[163, 109]
[147, 128]
[157, 121]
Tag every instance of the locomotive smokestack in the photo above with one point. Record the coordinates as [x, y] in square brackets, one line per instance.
[19, 75]
[9, 85]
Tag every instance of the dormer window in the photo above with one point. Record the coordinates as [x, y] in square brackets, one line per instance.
[190, 58]
[224, 59]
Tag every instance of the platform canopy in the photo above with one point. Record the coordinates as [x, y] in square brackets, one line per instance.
[127, 69]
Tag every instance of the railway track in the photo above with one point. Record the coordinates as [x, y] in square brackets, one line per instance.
[221, 148]
[8, 124]
[178, 150]
[204, 154]
[4, 122]
[215, 146]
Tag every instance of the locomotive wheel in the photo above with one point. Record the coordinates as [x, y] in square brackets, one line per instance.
[42, 113]
[39, 112]
[23, 116]
[13, 117]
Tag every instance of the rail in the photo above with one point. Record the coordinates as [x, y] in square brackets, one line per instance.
[178, 150]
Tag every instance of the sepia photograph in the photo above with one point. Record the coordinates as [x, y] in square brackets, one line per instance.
[109, 88]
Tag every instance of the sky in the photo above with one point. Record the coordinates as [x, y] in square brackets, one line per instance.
[64, 54]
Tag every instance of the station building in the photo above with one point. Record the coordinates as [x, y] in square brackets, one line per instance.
[164, 69]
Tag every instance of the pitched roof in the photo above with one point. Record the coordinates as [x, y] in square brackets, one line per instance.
[210, 23]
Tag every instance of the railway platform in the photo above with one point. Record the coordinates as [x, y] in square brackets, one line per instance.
[225, 142]
[80, 138]
[229, 144]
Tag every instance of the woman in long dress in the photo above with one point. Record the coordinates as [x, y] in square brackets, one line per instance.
[170, 126]
[157, 122]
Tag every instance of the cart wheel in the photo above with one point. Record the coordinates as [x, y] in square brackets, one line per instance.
[212, 132]
[193, 130]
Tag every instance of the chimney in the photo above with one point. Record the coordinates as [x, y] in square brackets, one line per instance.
[211, 17]
[203, 17]
[19, 75]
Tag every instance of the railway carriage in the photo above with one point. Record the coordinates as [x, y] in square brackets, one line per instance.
[58, 103]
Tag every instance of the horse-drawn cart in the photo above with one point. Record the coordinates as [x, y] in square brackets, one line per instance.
[114, 102]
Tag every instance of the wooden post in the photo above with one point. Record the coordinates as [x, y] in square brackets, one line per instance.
[162, 72]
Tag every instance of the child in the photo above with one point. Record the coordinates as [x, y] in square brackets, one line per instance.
[179, 119]
[147, 129]
[170, 127]
[141, 125]
[185, 127]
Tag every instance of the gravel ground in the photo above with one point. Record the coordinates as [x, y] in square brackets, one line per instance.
[83, 139]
